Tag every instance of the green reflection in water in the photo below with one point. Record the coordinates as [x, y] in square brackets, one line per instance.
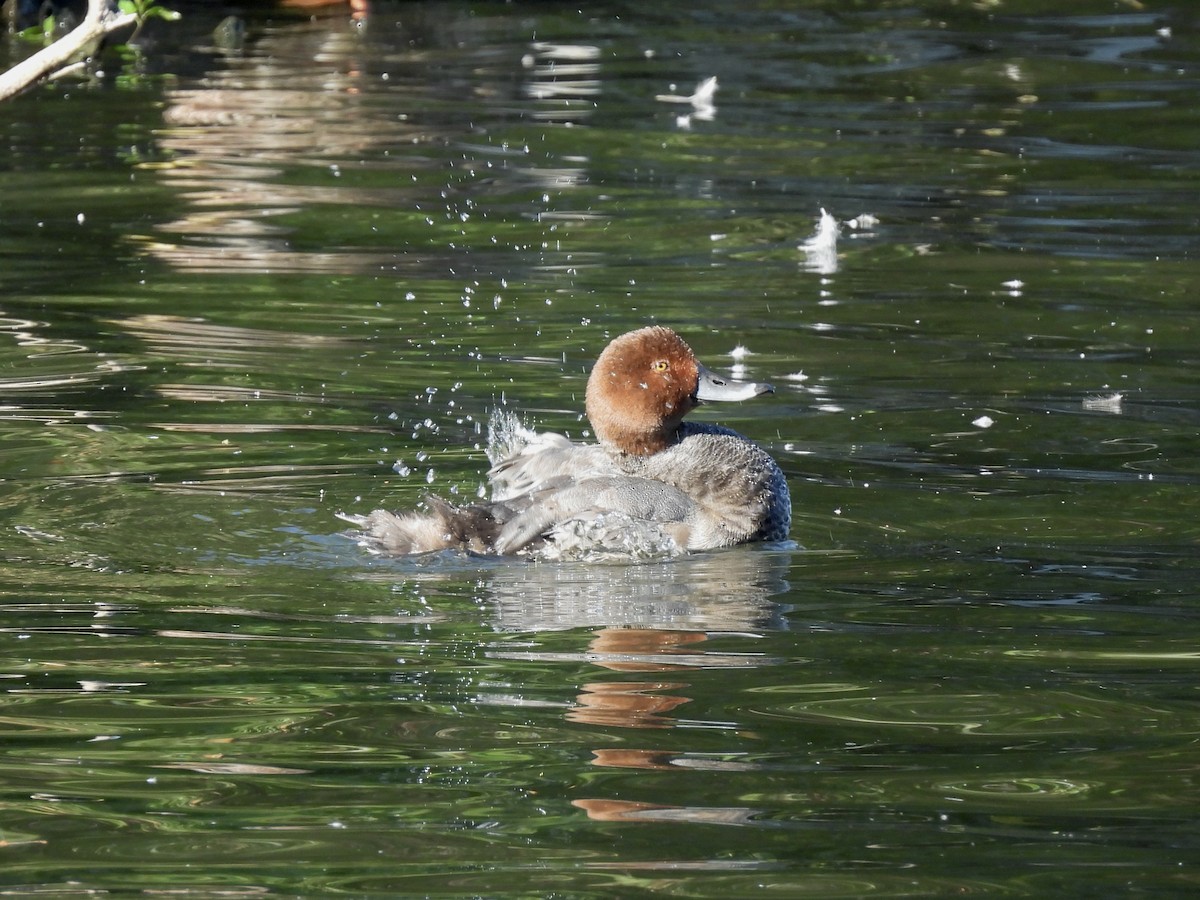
[279, 284]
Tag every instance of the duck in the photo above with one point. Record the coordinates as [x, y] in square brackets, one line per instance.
[651, 484]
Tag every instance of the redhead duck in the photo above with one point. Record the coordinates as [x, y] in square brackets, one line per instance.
[652, 485]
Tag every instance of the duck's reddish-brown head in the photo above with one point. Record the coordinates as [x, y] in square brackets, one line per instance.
[644, 383]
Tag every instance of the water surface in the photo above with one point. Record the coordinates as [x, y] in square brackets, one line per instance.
[241, 290]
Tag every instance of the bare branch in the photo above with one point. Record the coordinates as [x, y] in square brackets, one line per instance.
[100, 21]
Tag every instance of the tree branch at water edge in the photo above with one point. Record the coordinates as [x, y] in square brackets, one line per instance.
[101, 20]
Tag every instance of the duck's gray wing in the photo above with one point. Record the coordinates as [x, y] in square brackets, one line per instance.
[639, 499]
[548, 460]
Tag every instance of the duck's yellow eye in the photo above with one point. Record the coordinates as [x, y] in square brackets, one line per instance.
[660, 365]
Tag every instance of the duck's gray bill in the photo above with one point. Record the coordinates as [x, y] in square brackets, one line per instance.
[713, 387]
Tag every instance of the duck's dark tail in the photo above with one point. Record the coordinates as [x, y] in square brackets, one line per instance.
[442, 526]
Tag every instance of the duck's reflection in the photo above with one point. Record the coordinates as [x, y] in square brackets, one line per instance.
[632, 811]
[726, 591]
[633, 704]
[654, 620]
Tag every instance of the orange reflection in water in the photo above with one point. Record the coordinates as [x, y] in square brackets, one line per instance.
[633, 704]
[632, 811]
[359, 9]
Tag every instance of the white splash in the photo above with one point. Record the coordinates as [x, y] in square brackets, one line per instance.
[702, 101]
[1109, 403]
[820, 250]
[609, 536]
[705, 93]
[506, 435]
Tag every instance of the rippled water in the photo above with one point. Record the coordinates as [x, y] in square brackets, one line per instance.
[241, 290]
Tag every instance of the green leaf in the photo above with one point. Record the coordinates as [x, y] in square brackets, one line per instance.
[128, 7]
